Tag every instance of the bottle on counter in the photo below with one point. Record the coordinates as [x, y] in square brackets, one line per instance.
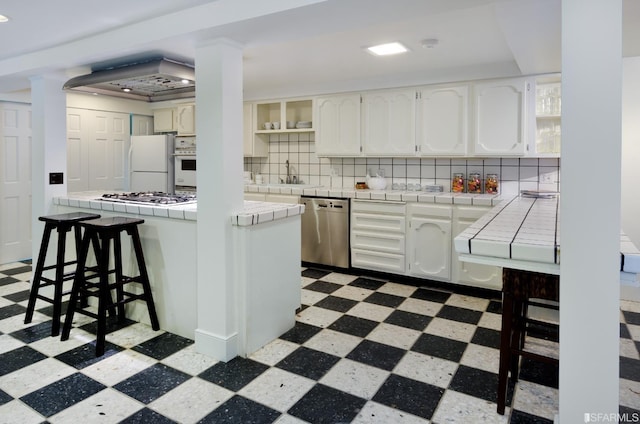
[474, 183]
[491, 184]
[457, 183]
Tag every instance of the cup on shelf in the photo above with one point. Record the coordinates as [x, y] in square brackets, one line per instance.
[276, 125]
[291, 124]
[267, 125]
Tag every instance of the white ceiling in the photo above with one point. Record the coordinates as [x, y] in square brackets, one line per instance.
[294, 47]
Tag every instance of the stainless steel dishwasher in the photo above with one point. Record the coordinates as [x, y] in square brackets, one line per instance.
[325, 231]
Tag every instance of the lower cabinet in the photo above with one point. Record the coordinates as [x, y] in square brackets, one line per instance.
[429, 241]
[378, 235]
[468, 273]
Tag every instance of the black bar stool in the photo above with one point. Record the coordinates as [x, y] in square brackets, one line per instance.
[63, 223]
[102, 231]
[518, 288]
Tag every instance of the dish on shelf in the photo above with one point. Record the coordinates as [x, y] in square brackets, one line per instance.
[303, 124]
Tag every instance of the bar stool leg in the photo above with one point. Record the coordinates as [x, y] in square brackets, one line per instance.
[57, 296]
[35, 282]
[104, 299]
[78, 281]
[505, 350]
[144, 277]
[117, 257]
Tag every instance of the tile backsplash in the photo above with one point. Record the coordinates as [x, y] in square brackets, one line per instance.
[514, 174]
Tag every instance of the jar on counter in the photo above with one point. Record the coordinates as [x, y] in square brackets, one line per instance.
[491, 184]
[474, 183]
[457, 183]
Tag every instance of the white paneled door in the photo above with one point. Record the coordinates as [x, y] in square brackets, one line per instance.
[15, 182]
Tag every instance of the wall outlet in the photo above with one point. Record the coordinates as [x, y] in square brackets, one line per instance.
[546, 178]
[56, 178]
[335, 172]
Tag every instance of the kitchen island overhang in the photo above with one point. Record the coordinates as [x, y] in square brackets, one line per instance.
[267, 280]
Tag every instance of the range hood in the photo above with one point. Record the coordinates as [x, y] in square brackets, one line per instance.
[151, 81]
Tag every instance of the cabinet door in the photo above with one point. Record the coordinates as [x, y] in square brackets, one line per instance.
[468, 273]
[429, 248]
[186, 120]
[442, 121]
[499, 117]
[252, 145]
[337, 123]
[389, 123]
[163, 120]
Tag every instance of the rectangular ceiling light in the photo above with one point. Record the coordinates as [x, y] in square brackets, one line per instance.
[387, 49]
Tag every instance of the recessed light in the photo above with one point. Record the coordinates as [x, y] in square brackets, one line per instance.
[185, 81]
[3, 18]
[387, 49]
[429, 43]
[126, 89]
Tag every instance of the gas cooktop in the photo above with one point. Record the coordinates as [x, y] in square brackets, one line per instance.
[153, 197]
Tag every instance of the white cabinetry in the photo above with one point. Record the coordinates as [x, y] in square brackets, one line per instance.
[389, 123]
[499, 117]
[429, 241]
[545, 122]
[337, 123]
[378, 235]
[467, 273]
[442, 117]
[252, 146]
[181, 119]
[163, 120]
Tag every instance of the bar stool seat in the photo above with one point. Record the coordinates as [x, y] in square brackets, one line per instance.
[62, 223]
[102, 232]
[518, 289]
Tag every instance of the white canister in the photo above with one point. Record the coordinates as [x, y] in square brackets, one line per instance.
[259, 179]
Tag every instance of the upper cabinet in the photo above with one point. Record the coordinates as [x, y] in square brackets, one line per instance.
[181, 119]
[545, 120]
[442, 116]
[284, 116]
[499, 117]
[252, 146]
[337, 122]
[389, 123]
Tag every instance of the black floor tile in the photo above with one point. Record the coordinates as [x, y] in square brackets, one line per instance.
[495, 307]
[315, 273]
[235, 374]
[377, 354]
[539, 372]
[440, 347]
[11, 311]
[385, 299]
[486, 337]
[629, 414]
[323, 286]
[17, 270]
[62, 394]
[33, 333]
[624, 331]
[408, 320]
[353, 325]
[240, 410]
[300, 333]
[164, 345]
[145, 416]
[335, 303]
[520, 417]
[19, 358]
[112, 325]
[7, 280]
[47, 309]
[324, 404]
[20, 296]
[409, 395]
[455, 313]
[543, 331]
[431, 295]
[151, 383]
[475, 382]
[630, 368]
[4, 398]
[307, 362]
[629, 317]
[85, 355]
[367, 283]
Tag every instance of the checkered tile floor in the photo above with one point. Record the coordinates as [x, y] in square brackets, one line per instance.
[364, 350]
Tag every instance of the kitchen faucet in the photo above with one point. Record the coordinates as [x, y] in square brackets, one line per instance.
[286, 164]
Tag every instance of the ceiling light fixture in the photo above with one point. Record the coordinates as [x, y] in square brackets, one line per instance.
[185, 81]
[429, 43]
[126, 89]
[387, 49]
[3, 18]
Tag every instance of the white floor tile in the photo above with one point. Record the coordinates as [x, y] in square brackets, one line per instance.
[375, 413]
[333, 342]
[353, 293]
[278, 389]
[394, 335]
[535, 399]
[319, 317]
[451, 329]
[274, 352]
[132, 335]
[356, 378]
[459, 408]
[481, 357]
[34, 377]
[118, 367]
[19, 413]
[370, 311]
[108, 406]
[426, 368]
[418, 306]
[467, 302]
[190, 361]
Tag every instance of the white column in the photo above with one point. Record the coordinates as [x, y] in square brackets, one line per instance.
[220, 193]
[48, 149]
[590, 227]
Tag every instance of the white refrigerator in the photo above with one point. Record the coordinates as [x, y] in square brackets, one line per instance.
[151, 164]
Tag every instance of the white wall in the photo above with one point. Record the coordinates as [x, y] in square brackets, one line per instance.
[630, 148]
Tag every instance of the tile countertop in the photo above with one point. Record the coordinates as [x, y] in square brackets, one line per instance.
[253, 213]
[395, 195]
[524, 233]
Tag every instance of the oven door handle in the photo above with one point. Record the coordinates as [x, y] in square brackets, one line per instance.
[183, 154]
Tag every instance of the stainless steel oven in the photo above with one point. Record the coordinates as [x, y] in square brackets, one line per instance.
[185, 165]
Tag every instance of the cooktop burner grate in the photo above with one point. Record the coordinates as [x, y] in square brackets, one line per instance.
[154, 197]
